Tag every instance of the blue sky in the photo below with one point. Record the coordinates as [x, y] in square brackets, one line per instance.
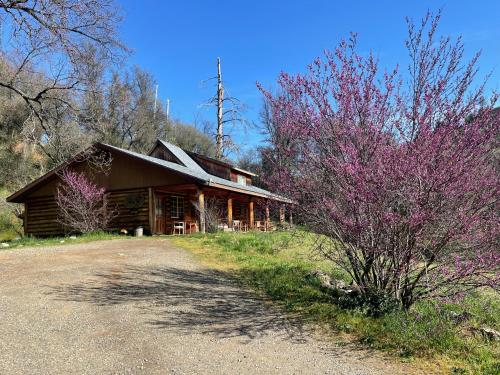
[179, 42]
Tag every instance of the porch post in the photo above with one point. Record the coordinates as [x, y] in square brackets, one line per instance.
[201, 208]
[250, 214]
[282, 214]
[230, 212]
[290, 216]
[152, 208]
[268, 219]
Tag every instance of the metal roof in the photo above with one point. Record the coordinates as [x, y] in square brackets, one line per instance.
[180, 154]
[191, 168]
[199, 174]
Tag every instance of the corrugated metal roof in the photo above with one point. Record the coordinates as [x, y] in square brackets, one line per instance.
[201, 175]
[184, 158]
[196, 171]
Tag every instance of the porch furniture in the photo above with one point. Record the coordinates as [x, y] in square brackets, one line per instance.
[260, 225]
[236, 224]
[244, 226]
[222, 226]
[191, 227]
[240, 225]
[179, 227]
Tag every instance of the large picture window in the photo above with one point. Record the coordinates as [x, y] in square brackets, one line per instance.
[177, 208]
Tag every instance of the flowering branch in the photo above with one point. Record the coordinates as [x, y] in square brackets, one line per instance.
[400, 173]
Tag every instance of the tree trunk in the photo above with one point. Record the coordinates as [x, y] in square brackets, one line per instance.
[220, 99]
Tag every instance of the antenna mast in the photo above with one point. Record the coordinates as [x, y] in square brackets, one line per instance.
[156, 98]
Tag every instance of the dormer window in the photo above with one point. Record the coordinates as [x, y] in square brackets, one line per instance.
[242, 180]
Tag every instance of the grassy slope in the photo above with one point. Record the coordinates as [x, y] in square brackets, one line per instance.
[278, 264]
[10, 226]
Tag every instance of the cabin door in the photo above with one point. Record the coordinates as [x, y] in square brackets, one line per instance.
[160, 224]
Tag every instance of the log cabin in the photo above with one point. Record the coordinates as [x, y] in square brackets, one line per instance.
[159, 192]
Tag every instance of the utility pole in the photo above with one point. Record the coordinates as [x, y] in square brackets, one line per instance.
[220, 100]
[156, 98]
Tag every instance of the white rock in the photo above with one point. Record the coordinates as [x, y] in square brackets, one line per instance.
[62, 241]
[4, 244]
[490, 333]
[72, 238]
[329, 283]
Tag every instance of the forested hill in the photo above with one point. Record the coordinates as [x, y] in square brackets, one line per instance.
[119, 110]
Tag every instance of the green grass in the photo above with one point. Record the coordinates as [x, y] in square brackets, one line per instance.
[279, 263]
[35, 241]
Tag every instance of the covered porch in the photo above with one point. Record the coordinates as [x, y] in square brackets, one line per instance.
[189, 208]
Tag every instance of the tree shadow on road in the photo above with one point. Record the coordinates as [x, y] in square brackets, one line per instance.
[186, 301]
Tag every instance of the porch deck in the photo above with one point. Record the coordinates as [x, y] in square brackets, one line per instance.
[184, 209]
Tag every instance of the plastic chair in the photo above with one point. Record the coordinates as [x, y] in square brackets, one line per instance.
[179, 226]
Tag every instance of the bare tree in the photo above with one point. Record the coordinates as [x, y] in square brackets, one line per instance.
[229, 111]
[45, 44]
[122, 111]
[212, 211]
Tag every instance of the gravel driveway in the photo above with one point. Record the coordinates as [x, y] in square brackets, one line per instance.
[142, 306]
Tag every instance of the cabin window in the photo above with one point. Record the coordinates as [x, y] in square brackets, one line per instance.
[177, 210]
[242, 180]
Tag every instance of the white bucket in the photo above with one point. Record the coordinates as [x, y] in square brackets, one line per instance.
[139, 232]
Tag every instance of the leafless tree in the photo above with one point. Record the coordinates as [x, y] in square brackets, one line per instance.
[229, 112]
[122, 111]
[45, 44]
[212, 211]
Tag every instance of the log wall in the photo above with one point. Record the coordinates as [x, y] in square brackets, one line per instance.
[41, 217]
[130, 206]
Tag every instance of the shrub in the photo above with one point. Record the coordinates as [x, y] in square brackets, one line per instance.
[400, 175]
[82, 204]
[10, 224]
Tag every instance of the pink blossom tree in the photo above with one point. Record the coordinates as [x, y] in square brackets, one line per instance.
[398, 170]
[82, 204]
